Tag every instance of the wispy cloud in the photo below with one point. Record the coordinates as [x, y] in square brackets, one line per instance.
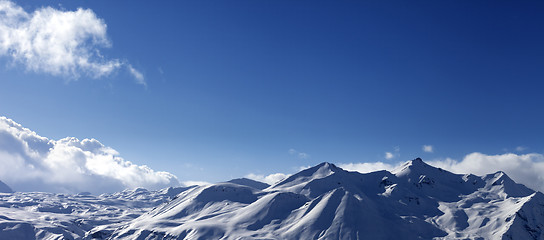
[69, 165]
[389, 155]
[138, 76]
[427, 148]
[57, 42]
[394, 154]
[520, 148]
[195, 183]
[300, 155]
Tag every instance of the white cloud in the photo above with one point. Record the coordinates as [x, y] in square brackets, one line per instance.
[427, 148]
[368, 167]
[389, 155]
[195, 183]
[300, 155]
[270, 179]
[520, 148]
[34, 163]
[526, 169]
[57, 42]
[394, 154]
[522, 168]
[138, 76]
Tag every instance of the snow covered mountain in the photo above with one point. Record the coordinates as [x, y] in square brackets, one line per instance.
[415, 201]
[35, 215]
[249, 183]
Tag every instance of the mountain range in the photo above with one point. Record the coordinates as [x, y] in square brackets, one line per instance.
[414, 201]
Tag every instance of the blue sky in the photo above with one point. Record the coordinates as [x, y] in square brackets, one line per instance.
[239, 87]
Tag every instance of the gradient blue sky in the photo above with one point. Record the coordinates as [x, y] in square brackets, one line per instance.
[232, 86]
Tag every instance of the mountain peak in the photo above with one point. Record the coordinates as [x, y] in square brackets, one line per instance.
[326, 202]
[327, 165]
[502, 181]
[321, 170]
[417, 166]
[417, 161]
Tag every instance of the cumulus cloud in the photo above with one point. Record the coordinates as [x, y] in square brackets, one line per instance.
[522, 168]
[427, 148]
[526, 169]
[300, 155]
[35, 163]
[270, 179]
[57, 42]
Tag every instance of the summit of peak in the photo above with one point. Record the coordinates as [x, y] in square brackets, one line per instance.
[417, 161]
[327, 165]
[321, 170]
[417, 166]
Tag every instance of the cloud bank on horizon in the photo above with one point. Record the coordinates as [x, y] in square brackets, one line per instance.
[35, 163]
[526, 169]
[60, 43]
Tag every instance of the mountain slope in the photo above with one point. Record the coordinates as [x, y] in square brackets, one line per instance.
[415, 201]
[249, 183]
[36, 215]
[4, 188]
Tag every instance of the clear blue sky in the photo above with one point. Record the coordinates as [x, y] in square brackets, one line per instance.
[232, 86]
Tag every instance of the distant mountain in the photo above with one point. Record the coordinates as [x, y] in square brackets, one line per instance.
[4, 188]
[37, 215]
[415, 201]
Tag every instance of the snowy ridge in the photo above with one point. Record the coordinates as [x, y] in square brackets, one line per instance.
[249, 183]
[416, 201]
